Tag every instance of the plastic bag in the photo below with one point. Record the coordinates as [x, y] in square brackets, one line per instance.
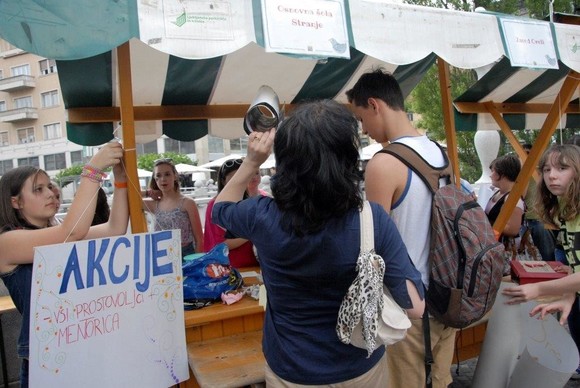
[206, 277]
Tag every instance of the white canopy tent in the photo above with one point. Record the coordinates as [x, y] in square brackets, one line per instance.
[183, 168]
[217, 163]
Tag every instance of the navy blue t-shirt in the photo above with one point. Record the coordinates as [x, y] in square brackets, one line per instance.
[306, 279]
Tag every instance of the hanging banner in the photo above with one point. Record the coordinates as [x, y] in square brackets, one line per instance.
[196, 29]
[109, 313]
[529, 43]
[306, 27]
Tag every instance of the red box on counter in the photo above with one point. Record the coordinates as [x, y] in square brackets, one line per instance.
[524, 272]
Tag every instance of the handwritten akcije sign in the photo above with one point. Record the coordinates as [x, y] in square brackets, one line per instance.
[306, 27]
[109, 313]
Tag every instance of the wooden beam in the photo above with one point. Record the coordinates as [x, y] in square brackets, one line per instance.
[162, 112]
[516, 108]
[136, 215]
[505, 128]
[548, 128]
[448, 118]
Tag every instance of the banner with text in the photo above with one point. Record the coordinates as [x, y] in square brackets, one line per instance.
[109, 313]
[306, 27]
[529, 43]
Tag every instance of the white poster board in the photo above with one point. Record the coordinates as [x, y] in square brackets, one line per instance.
[109, 313]
[529, 43]
[306, 27]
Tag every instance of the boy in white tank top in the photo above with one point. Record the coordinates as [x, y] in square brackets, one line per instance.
[378, 103]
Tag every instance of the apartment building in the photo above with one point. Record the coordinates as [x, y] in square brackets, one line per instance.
[32, 114]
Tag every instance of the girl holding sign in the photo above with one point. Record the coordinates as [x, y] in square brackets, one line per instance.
[27, 208]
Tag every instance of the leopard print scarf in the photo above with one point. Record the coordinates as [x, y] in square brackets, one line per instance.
[363, 301]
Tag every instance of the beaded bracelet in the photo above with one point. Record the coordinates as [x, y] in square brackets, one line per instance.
[92, 173]
[121, 185]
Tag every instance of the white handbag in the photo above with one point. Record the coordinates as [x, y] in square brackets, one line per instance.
[370, 318]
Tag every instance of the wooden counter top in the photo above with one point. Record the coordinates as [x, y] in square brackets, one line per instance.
[220, 311]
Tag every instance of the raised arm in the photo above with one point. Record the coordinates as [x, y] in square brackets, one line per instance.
[17, 247]
[119, 217]
[259, 148]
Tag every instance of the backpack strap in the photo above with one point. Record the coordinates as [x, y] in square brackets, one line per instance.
[429, 174]
[428, 353]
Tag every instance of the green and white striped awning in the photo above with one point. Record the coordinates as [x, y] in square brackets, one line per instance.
[514, 89]
[523, 96]
[218, 69]
[161, 79]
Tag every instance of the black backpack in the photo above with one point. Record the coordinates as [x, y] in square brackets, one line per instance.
[465, 260]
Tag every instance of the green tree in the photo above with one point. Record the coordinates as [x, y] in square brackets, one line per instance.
[147, 161]
[426, 100]
[68, 175]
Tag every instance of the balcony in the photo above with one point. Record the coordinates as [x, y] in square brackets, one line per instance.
[19, 82]
[20, 114]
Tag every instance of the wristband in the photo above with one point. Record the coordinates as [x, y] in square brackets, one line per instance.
[92, 173]
[121, 185]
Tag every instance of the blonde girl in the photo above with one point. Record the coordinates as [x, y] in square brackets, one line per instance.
[173, 210]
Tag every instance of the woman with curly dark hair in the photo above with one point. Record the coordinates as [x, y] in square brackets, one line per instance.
[308, 236]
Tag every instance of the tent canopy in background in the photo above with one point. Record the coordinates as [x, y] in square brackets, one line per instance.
[183, 168]
[217, 163]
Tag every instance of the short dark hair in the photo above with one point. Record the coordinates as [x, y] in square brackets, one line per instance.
[317, 175]
[507, 165]
[227, 167]
[379, 84]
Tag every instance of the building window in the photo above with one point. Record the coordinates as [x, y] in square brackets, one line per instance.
[76, 157]
[179, 147]
[32, 161]
[171, 145]
[239, 145]
[54, 162]
[23, 102]
[20, 70]
[4, 139]
[25, 135]
[5, 166]
[2, 106]
[52, 131]
[47, 66]
[148, 148]
[49, 99]
[187, 147]
[215, 145]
